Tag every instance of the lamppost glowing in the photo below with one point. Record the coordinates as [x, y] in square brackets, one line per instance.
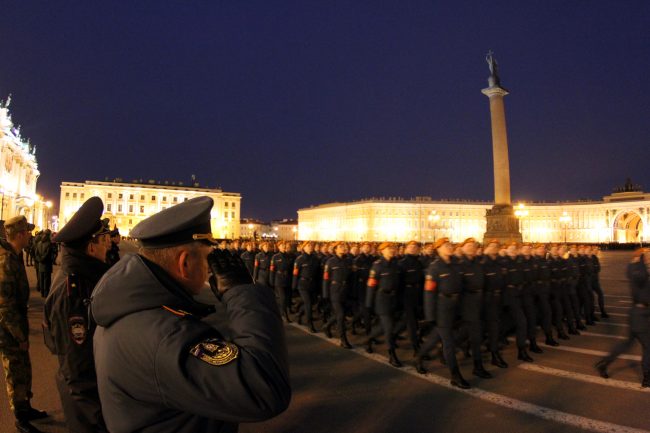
[433, 222]
[565, 219]
[521, 213]
[48, 206]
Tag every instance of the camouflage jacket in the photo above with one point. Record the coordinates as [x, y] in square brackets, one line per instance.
[14, 295]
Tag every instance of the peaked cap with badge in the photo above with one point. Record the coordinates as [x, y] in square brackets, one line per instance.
[181, 224]
[84, 225]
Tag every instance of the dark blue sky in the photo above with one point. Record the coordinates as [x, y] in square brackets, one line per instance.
[294, 103]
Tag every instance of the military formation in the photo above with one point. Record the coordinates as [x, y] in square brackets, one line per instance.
[441, 298]
[178, 373]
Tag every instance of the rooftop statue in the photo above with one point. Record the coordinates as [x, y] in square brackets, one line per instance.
[494, 79]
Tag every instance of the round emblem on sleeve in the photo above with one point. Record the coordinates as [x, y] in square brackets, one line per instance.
[78, 329]
[215, 351]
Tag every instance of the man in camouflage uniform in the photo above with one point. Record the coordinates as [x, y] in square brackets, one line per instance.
[14, 328]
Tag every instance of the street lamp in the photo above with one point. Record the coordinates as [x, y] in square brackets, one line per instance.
[520, 213]
[565, 219]
[433, 222]
[48, 206]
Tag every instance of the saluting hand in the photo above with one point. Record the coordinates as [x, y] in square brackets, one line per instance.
[228, 271]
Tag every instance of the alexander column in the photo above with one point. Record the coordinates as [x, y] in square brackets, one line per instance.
[502, 224]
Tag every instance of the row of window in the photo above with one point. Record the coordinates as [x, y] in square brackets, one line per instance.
[120, 196]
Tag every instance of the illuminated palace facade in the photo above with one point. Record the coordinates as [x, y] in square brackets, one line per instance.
[18, 175]
[619, 217]
[126, 204]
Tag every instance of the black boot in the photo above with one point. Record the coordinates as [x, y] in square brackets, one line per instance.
[573, 331]
[419, 365]
[300, 314]
[534, 347]
[562, 335]
[498, 361]
[369, 346]
[22, 421]
[601, 367]
[522, 355]
[458, 381]
[312, 329]
[328, 331]
[345, 343]
[604, 315]
[580, 326]
[550, 341]
[646, 379]
[480, 371]
[33, 414]
[286, 316]
[392, 358]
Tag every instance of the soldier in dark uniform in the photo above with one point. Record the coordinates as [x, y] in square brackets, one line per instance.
[361, 265]
[443, 287]
[381, 296]
[113, 253]
[411, 285]
[595, 283]
[280, 278]
[473, 280]
[514, 280]
[558, 295]
[335, 289]
[14, 327]
[44, 258]
[585, 294]
[639, 319]
[262, 265]
[305, 280]
[248, 257]
[67, 325]
[530, 270]
[493, 299]
[161, 368]
[542, 293]
[572, 272]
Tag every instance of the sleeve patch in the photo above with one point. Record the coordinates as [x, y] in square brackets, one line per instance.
[372, 282]
[215, 351]
[78, 329]
[430, 286]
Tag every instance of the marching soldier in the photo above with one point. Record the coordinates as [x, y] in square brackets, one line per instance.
[585, 293]
[559, 298]
[443, 286]
[335, 288]
[14, 327]
[248, 257]
[113, 253]
[68, 327]
[262, 265]
[639, 319]
[411, 285]
[514, 280]
[161, 367]
[381, 296]
[280, 278]
[530, 270]
[493, 299]
[542, 293]
[473, 280]
[571, 270]
[595, 283]
[362, 264]
[305, 280]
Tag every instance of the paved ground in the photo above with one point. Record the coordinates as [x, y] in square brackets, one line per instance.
[338, 390]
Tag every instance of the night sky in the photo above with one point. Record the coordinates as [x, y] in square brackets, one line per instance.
[300, 103]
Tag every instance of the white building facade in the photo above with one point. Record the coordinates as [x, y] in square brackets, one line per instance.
[126, 204]
[620, 217]
[19, 173]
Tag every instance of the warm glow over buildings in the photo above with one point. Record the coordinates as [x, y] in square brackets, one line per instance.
[620, 217]
[126, 204]
[19, 173]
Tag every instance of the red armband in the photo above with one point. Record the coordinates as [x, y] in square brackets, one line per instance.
[295, 271]
[430, 286]
[272, 268]
[326, 276]
[372, 282]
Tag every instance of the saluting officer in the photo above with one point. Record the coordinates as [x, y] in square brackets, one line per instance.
[381, 295]
[305, 280]
[280, 278]
[160, 367]
[639, 320]
[335, 289]
[262, 265]
[412, 283]
[443, 286]
[68, 326]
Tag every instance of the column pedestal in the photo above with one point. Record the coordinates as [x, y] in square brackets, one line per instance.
[502, 224]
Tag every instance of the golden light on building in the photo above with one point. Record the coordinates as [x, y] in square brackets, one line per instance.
[126, 204]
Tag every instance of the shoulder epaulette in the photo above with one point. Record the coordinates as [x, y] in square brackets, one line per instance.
[179, 313]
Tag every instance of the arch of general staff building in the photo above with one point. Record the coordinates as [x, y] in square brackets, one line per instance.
[621, 217]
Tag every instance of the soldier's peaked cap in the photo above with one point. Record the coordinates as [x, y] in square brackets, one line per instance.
[84, 224]
[181, 224]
